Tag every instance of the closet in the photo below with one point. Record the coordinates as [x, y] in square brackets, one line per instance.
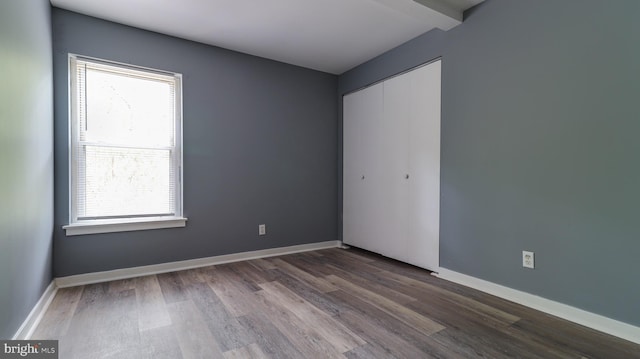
[391, 167]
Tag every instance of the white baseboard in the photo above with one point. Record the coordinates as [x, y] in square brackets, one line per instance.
[99, 277]
[579, 316]
[35, 316]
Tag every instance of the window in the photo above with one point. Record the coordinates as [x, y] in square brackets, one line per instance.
[125, 148]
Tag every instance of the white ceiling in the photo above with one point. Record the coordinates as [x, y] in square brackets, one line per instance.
[327, 35]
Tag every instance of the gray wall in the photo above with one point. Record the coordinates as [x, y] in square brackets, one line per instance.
[540, 124]
[26, 159]
[260, 146]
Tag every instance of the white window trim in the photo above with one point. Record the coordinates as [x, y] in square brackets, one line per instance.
[83, 227]
[124, 225]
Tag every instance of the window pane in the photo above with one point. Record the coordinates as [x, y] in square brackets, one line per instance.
[126, 148]
[127, 182]
[128, 110]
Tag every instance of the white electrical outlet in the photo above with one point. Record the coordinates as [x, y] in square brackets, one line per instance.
[528, 259]
[262, 229]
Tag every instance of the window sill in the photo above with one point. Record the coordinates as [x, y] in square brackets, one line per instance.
[111, 226]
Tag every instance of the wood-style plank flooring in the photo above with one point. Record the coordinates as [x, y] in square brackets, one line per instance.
[331, 303]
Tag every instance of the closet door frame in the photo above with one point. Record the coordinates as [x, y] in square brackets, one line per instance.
[393, 208]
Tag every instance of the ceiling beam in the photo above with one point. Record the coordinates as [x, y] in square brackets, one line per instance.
[438, 12]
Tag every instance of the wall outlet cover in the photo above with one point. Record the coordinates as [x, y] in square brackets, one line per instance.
[528, 259]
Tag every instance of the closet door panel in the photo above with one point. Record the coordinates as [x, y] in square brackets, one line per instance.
[374, 208]
[394, 167]
[424, 163]
[362, 114]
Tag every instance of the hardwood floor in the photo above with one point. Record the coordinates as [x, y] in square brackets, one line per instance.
[332, 303]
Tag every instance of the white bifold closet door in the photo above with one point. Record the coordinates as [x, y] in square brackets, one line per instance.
[391, 173]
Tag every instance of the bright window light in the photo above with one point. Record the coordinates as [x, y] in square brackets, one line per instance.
[125, 143]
